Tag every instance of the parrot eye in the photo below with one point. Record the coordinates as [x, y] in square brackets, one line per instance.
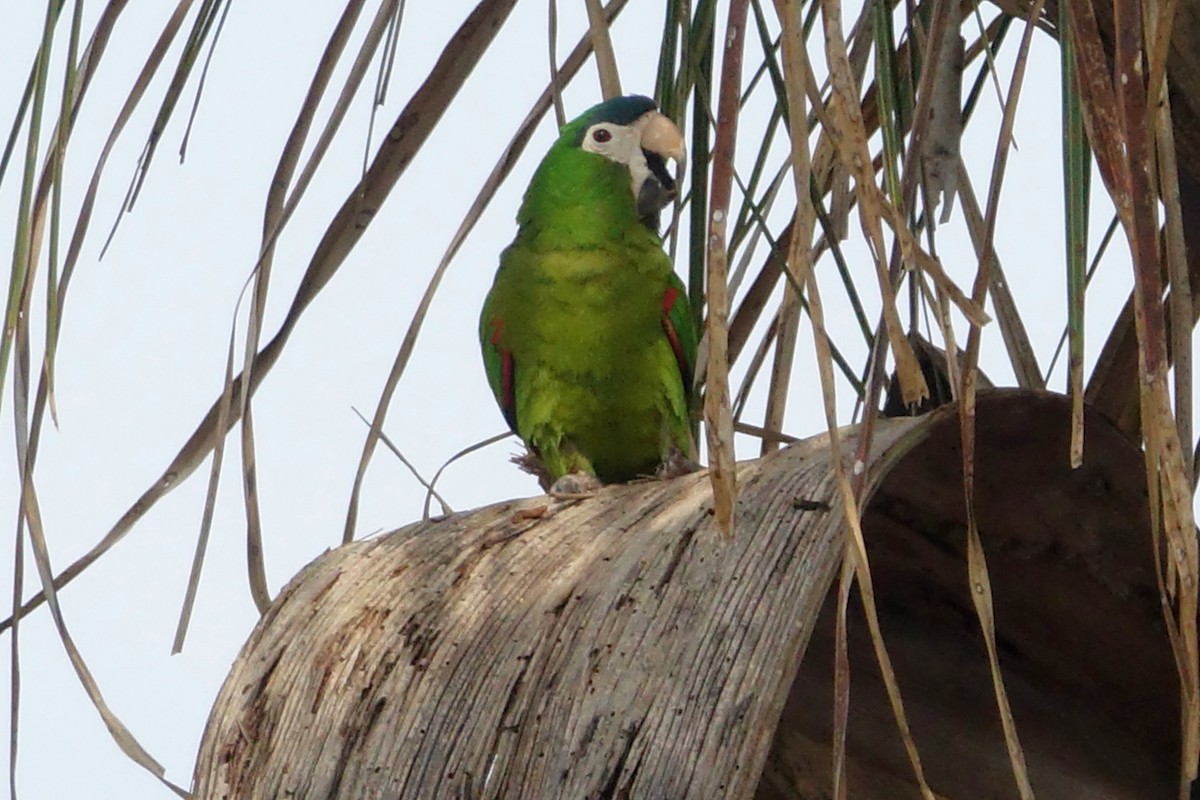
[601, 135]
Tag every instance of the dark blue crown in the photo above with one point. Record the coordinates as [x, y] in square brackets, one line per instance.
[619, 111]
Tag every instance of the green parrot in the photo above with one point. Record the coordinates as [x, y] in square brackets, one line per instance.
[587, 335]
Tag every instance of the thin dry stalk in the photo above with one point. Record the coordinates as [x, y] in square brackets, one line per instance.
[31, 515]
[560, 113]
[851, 139]
[165, 40]
[755, 299]
[606, 59]
[1176, 249]
[855, 565]
[977, 572]
[1163, 449]
[282, 200]
[788, 318]
[30, 229]
[931, 46]
[279, 208]
[1012, 328]
[718, 414]
[206, 518]
[1101, 117]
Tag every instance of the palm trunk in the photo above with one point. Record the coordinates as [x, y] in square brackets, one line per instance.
[620, 647]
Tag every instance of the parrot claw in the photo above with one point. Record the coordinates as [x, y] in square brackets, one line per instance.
[675, 465]
[575, 486]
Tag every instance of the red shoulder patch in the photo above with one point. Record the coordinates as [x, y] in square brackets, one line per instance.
[508, 384]
[669, 298]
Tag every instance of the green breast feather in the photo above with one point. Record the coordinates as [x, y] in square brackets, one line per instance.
[587, 337]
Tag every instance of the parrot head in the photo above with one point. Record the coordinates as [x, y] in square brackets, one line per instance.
[632, 132]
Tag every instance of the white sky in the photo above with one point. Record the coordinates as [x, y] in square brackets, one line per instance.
[142, 352]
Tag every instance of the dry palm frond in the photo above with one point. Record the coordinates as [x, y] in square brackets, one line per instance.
[886, 116]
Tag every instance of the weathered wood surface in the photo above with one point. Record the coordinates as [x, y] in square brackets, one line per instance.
[621, 649]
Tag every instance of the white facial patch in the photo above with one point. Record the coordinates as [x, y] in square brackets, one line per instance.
[622, 144]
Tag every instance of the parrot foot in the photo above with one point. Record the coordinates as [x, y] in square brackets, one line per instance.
[575, 486]
[675, 465]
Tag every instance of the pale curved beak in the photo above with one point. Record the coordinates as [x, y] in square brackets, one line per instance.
[659, 135]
